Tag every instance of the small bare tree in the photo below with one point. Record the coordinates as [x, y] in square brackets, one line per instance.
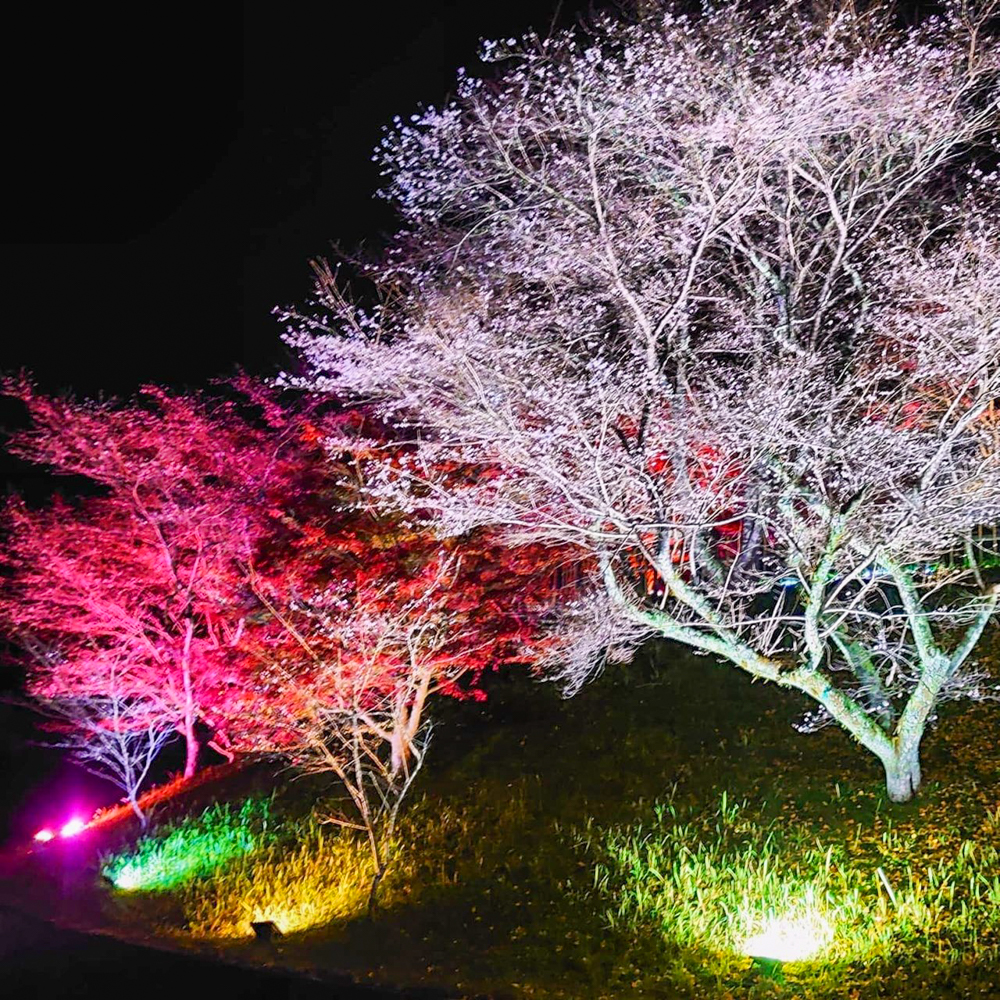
[354, 705]
[715, 302]
[348, 741]
[114, 735]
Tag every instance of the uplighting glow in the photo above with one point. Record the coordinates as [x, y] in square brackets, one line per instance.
[790, 939]
[177, 859]
[72, 828]
[43, 836]
[193, 847]
[126, 880]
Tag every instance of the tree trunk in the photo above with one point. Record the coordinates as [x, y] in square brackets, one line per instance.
[133, 802]
[398, 751]
[902, 773]
[373, 889]
[191, 763]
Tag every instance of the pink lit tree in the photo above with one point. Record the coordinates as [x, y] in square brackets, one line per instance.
[230, 576]
[146, 580]
[713, 302]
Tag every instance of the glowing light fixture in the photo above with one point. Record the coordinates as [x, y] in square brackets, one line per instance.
[72, 828]
[265, 930]
[126, 879]
[789, 939]
[44, 836]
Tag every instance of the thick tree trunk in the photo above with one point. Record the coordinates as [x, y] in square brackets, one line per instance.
[902, 773]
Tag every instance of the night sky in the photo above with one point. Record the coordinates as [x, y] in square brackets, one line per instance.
[173, 174]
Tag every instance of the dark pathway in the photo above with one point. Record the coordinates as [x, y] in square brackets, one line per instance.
[42, 962]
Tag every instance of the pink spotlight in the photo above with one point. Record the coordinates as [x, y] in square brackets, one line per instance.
[44, 836]
[72, 828]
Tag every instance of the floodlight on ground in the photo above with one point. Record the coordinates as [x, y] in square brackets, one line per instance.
[125, 879]
[789, 939]
[44, 836]
[72, 828]
[265, 930]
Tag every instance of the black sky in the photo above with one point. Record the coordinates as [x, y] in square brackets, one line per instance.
[172, 171]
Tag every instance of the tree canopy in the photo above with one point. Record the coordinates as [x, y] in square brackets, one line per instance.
[714, 302]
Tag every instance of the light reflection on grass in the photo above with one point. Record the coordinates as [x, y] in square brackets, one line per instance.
[193, 847]
[322, 877]
[230, 866]
[791, 937]
[726, 883]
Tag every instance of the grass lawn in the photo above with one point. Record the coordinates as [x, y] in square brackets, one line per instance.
[627, 843]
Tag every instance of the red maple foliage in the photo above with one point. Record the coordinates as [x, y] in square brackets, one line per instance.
[369, 608]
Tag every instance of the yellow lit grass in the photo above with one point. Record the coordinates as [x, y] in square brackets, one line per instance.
[707, 881]
[318, 874]
[323, 877]
[309, 875]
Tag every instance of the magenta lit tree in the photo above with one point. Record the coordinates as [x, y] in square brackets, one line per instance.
[228, 575]
[146, 579]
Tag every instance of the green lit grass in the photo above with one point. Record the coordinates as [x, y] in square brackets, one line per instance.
[709, 881]
[229, 865]
[191, 848]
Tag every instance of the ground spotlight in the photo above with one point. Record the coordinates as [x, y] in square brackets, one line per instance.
[72, 828]
[788, 939]
[265, 930]
[124, 880]
[44, 836]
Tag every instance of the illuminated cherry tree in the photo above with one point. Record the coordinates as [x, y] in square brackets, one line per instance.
[146, 579]
[715, 303]
[356, 707]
